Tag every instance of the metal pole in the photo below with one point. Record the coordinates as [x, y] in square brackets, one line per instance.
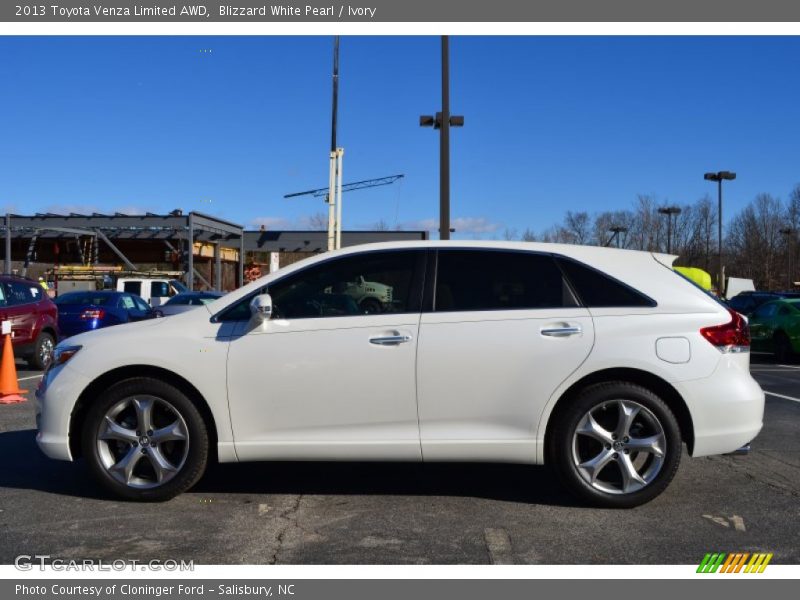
[721, 280]
[241, 260]
[332, 203]
[444, 146]
[669, 233]
[8, 245]
[335, 111]
[339, 161]
[190, 256]
[217, 267]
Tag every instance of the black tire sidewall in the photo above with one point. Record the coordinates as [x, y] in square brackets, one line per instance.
[195, 462]
[34, 360]
[560, 448]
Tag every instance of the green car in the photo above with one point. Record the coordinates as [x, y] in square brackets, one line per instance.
[775, 327]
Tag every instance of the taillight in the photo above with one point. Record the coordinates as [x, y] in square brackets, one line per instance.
[93, 313]
[730, 337]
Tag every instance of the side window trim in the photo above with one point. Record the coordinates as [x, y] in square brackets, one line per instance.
[416, 291]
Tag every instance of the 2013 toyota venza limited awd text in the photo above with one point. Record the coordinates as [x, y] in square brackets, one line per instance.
[600, 362]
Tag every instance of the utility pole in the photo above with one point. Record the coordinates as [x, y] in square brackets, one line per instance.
[443, 121]
[789, 233]
[336, 154]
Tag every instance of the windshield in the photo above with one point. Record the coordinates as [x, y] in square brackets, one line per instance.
[178, 285]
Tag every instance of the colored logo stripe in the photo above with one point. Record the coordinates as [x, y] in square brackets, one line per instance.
[734, 562]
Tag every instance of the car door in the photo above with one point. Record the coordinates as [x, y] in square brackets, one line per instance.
[159, 292]
[20, 308]
[503, 332]
[141, 310]
[326, 378]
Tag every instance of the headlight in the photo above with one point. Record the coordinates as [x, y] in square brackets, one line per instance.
[63, 353]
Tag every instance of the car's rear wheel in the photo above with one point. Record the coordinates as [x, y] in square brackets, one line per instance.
[371, 306]
[42, 351]
[618, 445]
[145, 440]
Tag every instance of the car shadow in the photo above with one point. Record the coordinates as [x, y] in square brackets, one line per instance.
[31, 470]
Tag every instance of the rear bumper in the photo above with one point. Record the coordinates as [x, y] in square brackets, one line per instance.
[727, 408]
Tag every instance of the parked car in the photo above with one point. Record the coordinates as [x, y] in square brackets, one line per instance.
[152, 290]
[34, 319]
[86, 311]
[746, 303]
[775, 327]
[601, 362]
[188, 301]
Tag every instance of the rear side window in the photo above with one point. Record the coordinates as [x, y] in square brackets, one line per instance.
[598, 290]
[470, 280]
[18, 292]
[133, 287]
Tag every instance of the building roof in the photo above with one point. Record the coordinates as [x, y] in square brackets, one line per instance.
[317, 241]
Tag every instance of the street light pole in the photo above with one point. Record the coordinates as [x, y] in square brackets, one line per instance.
[616, 230]
[789, 233]
[443, 121]
[719, 176]
[669, 211]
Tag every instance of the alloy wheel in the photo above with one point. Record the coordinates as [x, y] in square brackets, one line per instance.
[143, 441]
[619, 447]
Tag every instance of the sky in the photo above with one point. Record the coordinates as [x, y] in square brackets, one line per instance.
[229, 125]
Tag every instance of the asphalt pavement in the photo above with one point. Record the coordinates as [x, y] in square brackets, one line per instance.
[378, 513]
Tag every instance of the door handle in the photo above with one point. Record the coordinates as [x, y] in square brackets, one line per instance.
[390, 340]
[562, 331]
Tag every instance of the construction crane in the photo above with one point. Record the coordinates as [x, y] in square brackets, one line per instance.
[348, 187]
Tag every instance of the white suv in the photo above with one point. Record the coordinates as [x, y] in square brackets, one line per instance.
[600, 362]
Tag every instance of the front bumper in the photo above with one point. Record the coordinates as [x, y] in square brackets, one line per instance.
[55, 399]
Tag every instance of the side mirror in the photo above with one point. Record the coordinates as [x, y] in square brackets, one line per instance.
[261, 307]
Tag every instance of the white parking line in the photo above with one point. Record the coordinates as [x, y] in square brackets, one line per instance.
[31, 377]
[782, 396]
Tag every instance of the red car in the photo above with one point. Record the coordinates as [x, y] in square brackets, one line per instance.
[34, 319]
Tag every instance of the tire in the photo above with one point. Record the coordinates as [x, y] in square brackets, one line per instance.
[163, 459]
[42, 351]
[371, 306]
[625, 477]
[782, 347]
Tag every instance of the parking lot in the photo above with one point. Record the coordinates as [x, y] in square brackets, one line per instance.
[409, 514]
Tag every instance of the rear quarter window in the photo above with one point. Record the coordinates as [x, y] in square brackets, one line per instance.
[598, 290]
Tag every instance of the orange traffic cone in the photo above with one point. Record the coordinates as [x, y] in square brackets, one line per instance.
[9, 386]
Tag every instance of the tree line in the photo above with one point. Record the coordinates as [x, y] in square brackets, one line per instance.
[760, 242]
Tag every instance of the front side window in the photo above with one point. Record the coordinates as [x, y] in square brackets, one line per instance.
[159, 289]
[470, 280]
[360, 284]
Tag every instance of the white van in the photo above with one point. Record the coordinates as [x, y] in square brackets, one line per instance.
[153, 291]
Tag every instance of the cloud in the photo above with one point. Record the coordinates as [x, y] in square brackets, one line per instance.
[462, 225]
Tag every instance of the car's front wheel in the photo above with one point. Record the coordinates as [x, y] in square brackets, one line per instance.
[618, 445]
[145, 440]
[783, 347]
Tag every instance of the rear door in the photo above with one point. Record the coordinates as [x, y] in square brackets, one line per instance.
[503, 332]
